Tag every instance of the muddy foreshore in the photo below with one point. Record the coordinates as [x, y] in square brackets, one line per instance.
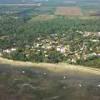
[41, 81]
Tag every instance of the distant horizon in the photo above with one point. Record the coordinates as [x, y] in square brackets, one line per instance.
[32, 1]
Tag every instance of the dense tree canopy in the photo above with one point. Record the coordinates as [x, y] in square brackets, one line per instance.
[18, 32]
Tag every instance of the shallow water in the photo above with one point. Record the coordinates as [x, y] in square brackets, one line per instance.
[40, 84]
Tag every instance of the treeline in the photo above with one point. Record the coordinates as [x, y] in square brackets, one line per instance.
[52, 56]
[23, 54]
[61, 25]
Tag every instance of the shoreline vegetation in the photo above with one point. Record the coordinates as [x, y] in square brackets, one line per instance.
[53, 40]
[59, 68]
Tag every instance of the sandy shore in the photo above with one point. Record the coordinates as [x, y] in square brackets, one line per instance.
[61, 67]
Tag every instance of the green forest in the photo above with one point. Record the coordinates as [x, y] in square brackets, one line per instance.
[51, 31]
[25, 34]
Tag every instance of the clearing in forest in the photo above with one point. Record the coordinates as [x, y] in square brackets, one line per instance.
[43, 17]
[68, 11]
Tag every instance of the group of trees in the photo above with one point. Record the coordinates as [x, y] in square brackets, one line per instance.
[53, 56]
[18, 32]
[19, 29]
